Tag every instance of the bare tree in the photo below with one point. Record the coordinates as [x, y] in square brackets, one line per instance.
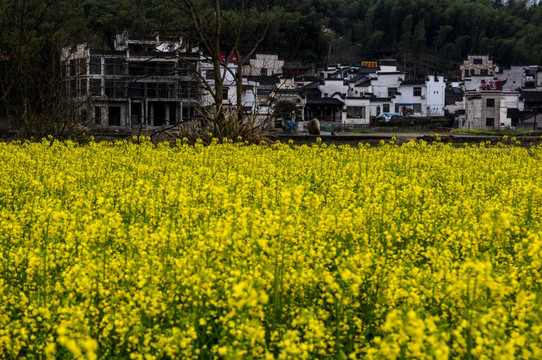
[221, 35]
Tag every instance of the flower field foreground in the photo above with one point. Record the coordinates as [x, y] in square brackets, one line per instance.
[136, 251]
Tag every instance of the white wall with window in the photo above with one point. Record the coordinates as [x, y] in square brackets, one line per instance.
[356, 111]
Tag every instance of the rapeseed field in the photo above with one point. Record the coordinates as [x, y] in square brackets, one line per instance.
[236, 251]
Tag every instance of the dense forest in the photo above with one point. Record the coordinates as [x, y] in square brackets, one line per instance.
[423, 35]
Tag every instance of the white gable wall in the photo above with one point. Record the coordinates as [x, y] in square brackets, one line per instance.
[435, 96]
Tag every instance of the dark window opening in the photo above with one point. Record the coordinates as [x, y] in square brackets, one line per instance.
[136, 90]
[159, 114]
[490, 122]
[490, 102]
[114, 115]
[162, 90]
[172, 114]
[136, 113]
[115, 89]
[82, 87]
[97, 115]
[95, 65]
[151, 90]
[137, 68]
[392, 91]
[71, 67]
[96, 87]
[114, 66]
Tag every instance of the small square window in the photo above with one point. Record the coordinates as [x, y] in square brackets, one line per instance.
[490, 102]
[490, 122]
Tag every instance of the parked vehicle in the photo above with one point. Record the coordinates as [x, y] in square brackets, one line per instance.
[388, 117]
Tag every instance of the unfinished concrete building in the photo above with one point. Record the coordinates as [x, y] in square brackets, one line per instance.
[140, 83]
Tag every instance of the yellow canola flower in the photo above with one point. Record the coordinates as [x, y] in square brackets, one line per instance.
[231, 250]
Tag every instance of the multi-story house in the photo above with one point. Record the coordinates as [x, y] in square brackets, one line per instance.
[491, 100]
[477, 65]
[336, 102]
[421, 98]
[490, 109]
[263, 65]
[418, 98]
[144, 82]
[249, 85]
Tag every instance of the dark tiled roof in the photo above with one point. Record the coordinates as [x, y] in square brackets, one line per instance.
[264, 80]
[364, 83]
[296, 66]
[377, 99]
[531, 96]
[453, 95]
[324, 101]
[312, 85]
[413, 82]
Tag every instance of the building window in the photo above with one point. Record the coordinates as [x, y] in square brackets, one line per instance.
[95, 65]
[114, 66]
[186, 69]
[164, 68]
[355, 112]
[172, 114]
[490, 122]
[98, 115]
[137, 68]
[163, 90]
[209, 74]
[136, 89]
[484, 72]
[151, 90]
[225, 92]
[386, 107]
[71, 68]
[114, 115]
[82, 87]
[477, 61]
[115, 89]
[490, 102]
[263, 72]
[392, 91]
[96, 87]
[417, 107]
[417, 91]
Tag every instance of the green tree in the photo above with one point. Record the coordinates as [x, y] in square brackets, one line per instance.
[284, 109]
